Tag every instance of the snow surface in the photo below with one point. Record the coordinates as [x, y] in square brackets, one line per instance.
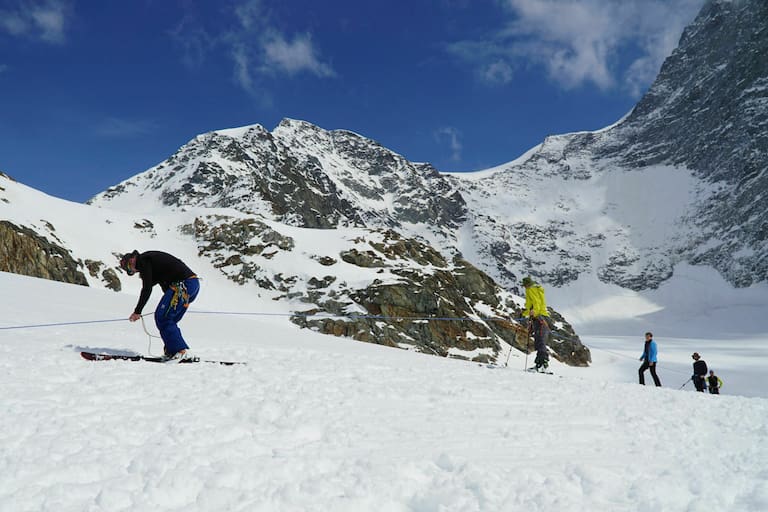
[317, 423]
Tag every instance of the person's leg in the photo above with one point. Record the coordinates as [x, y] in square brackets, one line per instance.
[165, 321]
[655, 377]
[545, 334]
[169, 312]
[540, 335]
[193, 288]
[641, 372]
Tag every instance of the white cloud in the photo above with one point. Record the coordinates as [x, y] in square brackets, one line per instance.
[250, 14]
[193, 40]
[12, 23]
[294, 57]
[243, 74]
[45, 20]
[453, 136]
[118, 128]
[497, 72]
[50, 20]
[582, 42]
[258, 48]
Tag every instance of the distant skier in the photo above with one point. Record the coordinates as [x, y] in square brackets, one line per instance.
[536, 309]
[699, 372]
[714, 383]
[180, 287]
[649, 358]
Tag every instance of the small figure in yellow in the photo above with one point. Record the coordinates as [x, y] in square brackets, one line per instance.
[714, 383]
[536, 310]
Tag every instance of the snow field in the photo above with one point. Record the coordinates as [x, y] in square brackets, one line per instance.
[317, 423]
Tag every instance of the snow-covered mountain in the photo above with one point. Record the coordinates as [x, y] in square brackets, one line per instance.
[331, 222]
[301, 175]
[359, 282]
[679, 179]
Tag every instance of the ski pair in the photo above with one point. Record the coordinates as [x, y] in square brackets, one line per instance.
[533, 369]
[94, 356]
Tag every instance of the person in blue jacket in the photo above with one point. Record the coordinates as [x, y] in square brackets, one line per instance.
[649, 359]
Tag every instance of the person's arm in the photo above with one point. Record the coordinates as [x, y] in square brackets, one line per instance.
[146, 289]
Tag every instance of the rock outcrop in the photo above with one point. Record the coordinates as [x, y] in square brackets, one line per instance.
[23, 251]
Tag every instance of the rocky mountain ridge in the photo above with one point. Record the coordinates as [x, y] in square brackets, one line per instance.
[372, 285]
[628, 203]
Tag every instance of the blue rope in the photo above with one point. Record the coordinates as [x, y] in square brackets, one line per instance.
[32, 326]
[304, 315]
[351, 317]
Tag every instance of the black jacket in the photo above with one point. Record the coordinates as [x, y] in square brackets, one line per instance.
[700, 368]
[157, 267]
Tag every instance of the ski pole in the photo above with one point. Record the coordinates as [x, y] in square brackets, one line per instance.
[508, 354]
[684, 383]
[527, 343]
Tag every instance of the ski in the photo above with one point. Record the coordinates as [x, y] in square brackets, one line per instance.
[492, 366]
[94, 356]
[534, 370]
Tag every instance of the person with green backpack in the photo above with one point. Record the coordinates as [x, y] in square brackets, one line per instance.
[715, 383]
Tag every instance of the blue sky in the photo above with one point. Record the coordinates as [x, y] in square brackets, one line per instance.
[92, 92]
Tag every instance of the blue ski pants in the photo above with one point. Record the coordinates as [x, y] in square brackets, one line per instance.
[171, 309]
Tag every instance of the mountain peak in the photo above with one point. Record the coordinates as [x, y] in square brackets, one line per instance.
[288, 123]
[240, 132]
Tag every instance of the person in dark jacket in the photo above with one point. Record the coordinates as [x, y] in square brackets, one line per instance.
[180, 288]
[699, 372]
[649, 358]
[714, 383]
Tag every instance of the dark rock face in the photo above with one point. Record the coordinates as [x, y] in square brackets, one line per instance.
[435, 312]
[23, 251]
[707, 114]
[708, 111]
[108, 275]
[708, 107]
[303, 176]
[231, 243]
[368, 172]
